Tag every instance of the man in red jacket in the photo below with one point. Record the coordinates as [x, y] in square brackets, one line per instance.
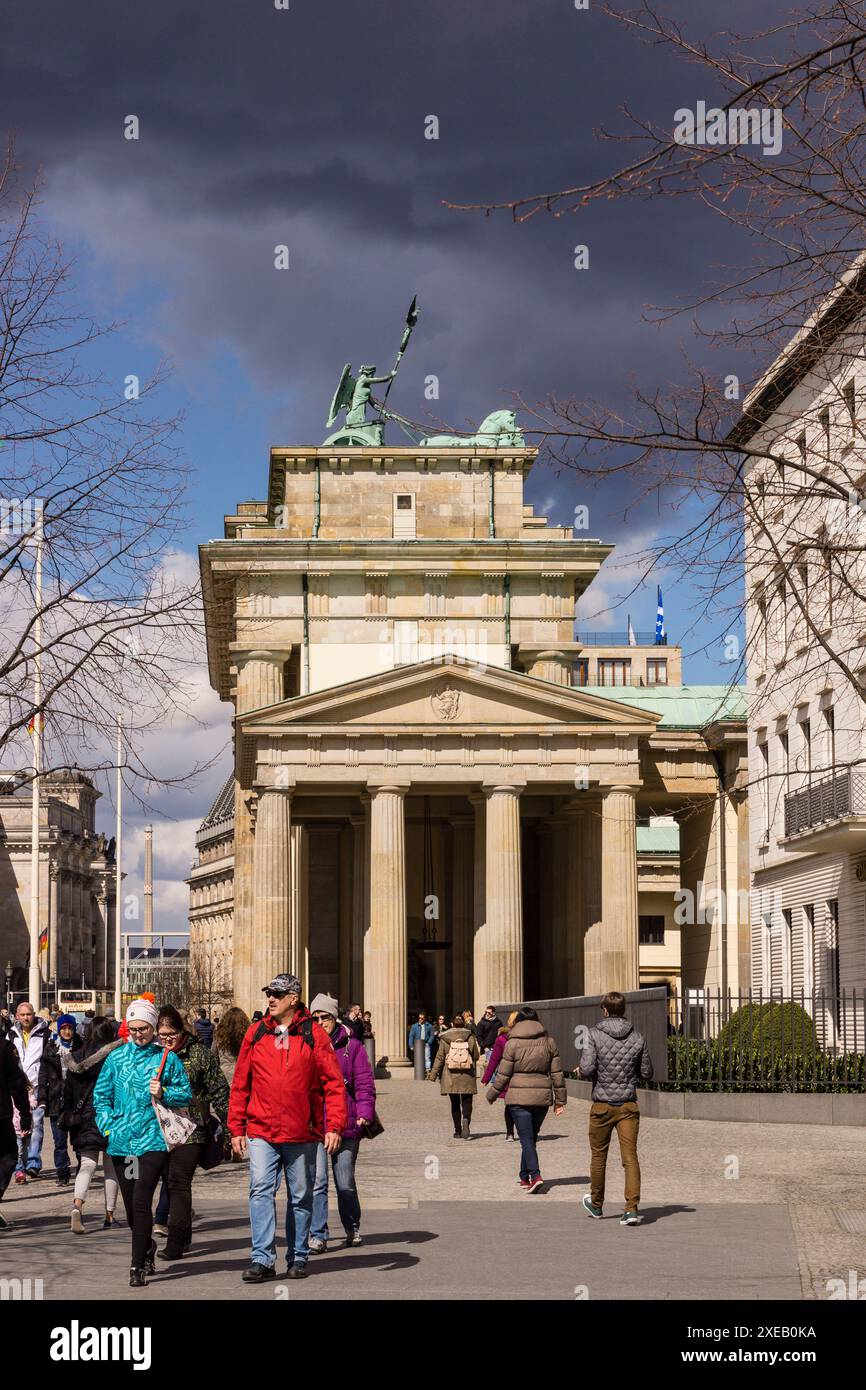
[285, 1072]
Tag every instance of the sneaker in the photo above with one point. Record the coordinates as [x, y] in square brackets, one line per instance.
[160, 1230]
[318, 1247]
[354, 1239]
[108, 1221]
[298, 1270]
[76, 1222]
[629, 1218]
[33, 1173]
[137, 1278]
[590, 1210]
[523, 1182]
[20, 1177]
[535, 1183]
[257, 1274]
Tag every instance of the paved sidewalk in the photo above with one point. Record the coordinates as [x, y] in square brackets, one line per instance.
[731, 1211]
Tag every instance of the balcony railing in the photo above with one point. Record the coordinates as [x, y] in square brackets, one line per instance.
[831, 798]
[618, 639]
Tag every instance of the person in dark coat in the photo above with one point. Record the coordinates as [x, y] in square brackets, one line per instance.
[493, 1060]
[615, 1058]
[488, 1027]
[361, 1104]
[204, 1029]
[49, 1088]
[14, 1091]
[78, 1118]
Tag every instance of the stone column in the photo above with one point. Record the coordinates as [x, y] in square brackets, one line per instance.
[560, 829]
[574, 970]
[612, 953]
[272, 885]
[462, 909]
[344, 943]
[385, 989]
[546, 957]
[53, 921]
[360, 899]
[499, 954]
[299, 943]
[479, 898]
[592, 928]
[552, 666]
[259, 683]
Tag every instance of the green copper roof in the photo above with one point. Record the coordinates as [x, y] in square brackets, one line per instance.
[658, 839]
[680, 706]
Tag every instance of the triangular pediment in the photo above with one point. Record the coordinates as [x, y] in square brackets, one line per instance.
[449, 693]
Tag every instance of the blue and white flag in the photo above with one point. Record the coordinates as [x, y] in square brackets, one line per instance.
[661, 635]
[632, 640]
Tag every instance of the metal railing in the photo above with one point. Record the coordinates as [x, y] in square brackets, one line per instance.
[619, 639]
[830, 798]
[794, 1042]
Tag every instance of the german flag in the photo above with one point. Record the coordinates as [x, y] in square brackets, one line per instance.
[37, 721]
[43, 939]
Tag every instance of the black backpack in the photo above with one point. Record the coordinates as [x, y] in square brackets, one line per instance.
[305, 1032]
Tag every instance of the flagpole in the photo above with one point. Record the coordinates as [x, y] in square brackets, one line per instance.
[118, 982]
[34, 976]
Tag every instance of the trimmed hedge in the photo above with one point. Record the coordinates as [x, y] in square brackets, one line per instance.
[696, 1065]
[774, 1028]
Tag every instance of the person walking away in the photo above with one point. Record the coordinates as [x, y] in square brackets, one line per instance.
[209, 1093]
[493, 1060]
[615, 1059]
[488, 1028]
[361, 1102]
[286, 1073]
[78, 1118]
[14, 1095]
[204, 1029]
[131, 1079]
[228, 1039]
[454, 1068]
[29, 1036]
[530, 1070]
[53, 1064]
[423, 1029]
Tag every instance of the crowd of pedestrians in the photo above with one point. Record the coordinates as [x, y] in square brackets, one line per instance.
[292, 1091]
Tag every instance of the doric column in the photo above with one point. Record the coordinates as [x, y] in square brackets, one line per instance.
[272, 889]
[552, 666]
[360, 899]
[479, 899]
[259, 683]
[612, 963]
[385, 991]
[499, 961]
[462, 909]
[546, 958]
[574, 972]
[344, 936]
[299, 942]
[592, 927]
[560, 831]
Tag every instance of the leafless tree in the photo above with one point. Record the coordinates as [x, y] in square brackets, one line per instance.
[767, 488]
[85, 458]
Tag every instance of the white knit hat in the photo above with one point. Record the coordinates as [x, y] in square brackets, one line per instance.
[142, 1011]
[324, 1004]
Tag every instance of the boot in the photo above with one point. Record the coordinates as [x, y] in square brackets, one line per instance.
[150, 1259]
[136, 1278]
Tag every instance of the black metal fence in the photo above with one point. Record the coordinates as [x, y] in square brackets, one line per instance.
[775, 1042]
[828, 799]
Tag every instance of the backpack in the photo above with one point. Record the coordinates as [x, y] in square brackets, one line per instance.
[305, 1033]
[459, 1057]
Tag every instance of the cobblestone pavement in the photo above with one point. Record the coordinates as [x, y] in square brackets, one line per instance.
[730, 1211]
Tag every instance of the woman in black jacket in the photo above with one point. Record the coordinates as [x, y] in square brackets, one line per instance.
[56, 1057]
[79, 1118]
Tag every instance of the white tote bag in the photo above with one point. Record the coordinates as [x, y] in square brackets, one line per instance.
[175, 1122]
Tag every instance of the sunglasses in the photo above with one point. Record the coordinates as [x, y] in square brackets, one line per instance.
[276, 993]
[322, 1018]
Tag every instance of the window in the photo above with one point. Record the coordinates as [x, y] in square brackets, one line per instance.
[764, 767]
[808, 948]
[651, 931]
[766, 954]
[761, 603]
[800, 624]
[824, 423]
[581, 671]
[761, 497]
[782, 603]
[614, 671]
[656, 672]
[849, 401]
[786, 760]
[830, 727]
[800, 476]
[829, 594]
[404, 516]
[787, 932]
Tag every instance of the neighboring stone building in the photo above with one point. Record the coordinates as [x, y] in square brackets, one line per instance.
[807, 718]
[211, 890]
[426, 807]
[76, 885]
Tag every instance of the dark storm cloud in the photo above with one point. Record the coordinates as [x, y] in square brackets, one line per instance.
[261, 127]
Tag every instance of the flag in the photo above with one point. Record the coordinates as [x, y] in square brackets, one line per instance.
[632, 640]
[661, 635]
[37, 721]
[43, 939]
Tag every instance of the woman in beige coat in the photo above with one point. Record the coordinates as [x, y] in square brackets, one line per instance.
[454, 1068]
[530, 1070]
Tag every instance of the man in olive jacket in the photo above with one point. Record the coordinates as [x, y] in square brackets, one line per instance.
[615, 1058]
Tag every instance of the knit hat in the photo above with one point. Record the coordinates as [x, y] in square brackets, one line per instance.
[324, 1004]
[142, 1011]
[66, 1019]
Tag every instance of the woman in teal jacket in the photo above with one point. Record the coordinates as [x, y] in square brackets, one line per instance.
[123, 1100]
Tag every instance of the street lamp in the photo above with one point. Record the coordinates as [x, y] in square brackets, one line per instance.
[8, 974]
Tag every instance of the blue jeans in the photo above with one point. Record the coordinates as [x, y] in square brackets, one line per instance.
[268, 1162]
[61, 1150]
[348, 1203]
[162, 1206]
[528, 1120]
[30, 1147]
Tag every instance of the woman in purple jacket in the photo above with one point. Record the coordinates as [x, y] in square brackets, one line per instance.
[496, 1052]
[361, 1101]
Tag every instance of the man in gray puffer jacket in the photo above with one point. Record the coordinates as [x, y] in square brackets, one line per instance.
[615, 1058]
